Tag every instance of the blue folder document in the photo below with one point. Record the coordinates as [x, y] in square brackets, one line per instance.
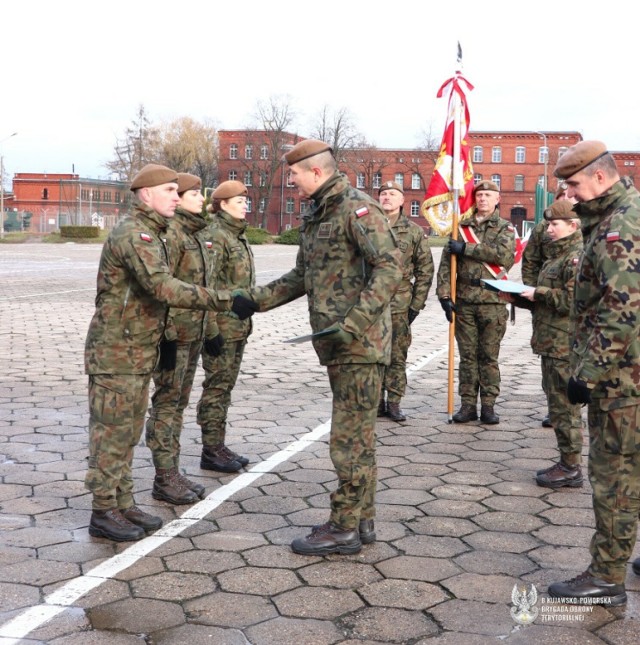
[508, 286]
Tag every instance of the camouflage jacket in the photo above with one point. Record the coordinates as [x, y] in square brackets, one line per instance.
[233, 269]
[191, 257]
[135, 289]
[535, 253]
[349, 267]
[497, 246]
[606, 346]
[553, 298]
[417, 266]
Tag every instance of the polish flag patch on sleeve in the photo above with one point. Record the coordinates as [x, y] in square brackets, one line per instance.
[613, 236]
[362, 211]
[146, 237]
[209, 244]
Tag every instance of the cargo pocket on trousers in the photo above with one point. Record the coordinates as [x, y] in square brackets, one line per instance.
[107, 401]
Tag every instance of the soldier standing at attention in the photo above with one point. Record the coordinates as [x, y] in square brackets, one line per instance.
[409, 299]
[233, 269]
[552, 299]
[348, 266]
[605, 359]
[135, 290]
[191, 259]
[485, 249]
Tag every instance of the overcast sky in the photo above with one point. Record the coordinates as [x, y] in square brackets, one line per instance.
[74, 72]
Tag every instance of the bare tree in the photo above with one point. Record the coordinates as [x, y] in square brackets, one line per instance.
[367, 163]
[423, 159]
[336, 127]
[139, 146]
[191, 146]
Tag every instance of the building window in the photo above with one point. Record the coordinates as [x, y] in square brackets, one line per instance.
[263, 179]
[477, 178]
[249, 204]
[262, 205]
[518, 184]
[291, 204]
[95, 195]
[248, 151]
[118, 197]
[415, 181]
[562, 150]
[377, 179]
[233, 151]
[264, 151]
[496, 154]
[289, 184]
[45, 193]
[248, 181]
[496, 180]
[477, 154]
[543, 154]
[360, 180]
[233, 175]
[415, 208]
[84, 194]
[303, 207]
[107, 196]
[520, 154]
[399, 179]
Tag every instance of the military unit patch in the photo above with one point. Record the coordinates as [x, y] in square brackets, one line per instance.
[145, 237]
[362, 211]
[324, 231]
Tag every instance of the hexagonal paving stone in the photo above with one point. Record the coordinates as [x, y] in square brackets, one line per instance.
[277, 556]
[341, 574]
[565, 535]
[474, 617]
[15, 596]
[197, 634]
[461, 492]
[448, 526]
[436, 547]
[293, 631]
[486, 588]
[516, 504]
[136, 616]
[172, 585]
[502, 541]
[230, 610]
[263, 582]
[452, 508]
[39, 572]
[317, 602]
[405, 594]
[210, 562]
[513, 564]
[511, 522]
[389, 625]
[411, 568]
[561, 557]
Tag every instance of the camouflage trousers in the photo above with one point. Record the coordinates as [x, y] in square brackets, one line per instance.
[169, 400]
[394, 380]
[117, 405]
[565, 418]
[352, 443]
[479, 331]
[614, 473]
[221, 374]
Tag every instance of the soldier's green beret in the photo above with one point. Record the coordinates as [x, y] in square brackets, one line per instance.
[154, 175]
[188, 182]
[388, 185]
[229, 189]
[485, 184]
[578, 157]
[562, 209]
[305, 149]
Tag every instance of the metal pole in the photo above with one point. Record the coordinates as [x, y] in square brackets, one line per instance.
[546, 161]
[1, 197]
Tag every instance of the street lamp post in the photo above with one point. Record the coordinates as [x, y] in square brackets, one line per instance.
[546, 161]
[285, 148]
[2, 188]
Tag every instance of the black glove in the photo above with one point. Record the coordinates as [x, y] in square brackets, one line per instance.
[578, 392]
[168, 354]
[457, 247]
[449, 308]
[243, 307]
[213, 346]
[412, 314]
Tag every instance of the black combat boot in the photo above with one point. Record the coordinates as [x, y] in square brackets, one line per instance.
[198, 489]
[112, 525]
[218, 458]
[635, 565]
[588, 586]
[167, 486]
[140, 518]
[367, 531]
[488, 416]
[328, 538]
[546, 422]
[466, 413]
[243, 461]
[561, 475]
[394, 412]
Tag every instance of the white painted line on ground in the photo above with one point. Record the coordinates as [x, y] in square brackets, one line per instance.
[55, 603]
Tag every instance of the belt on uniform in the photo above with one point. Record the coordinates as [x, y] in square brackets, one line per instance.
[472, 282]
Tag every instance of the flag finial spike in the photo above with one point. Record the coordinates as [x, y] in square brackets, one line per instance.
[459, 58]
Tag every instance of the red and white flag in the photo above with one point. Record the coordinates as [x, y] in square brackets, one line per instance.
[521, 244]
[453, 170]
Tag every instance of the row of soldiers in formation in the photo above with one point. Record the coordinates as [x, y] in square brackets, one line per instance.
[366, 271]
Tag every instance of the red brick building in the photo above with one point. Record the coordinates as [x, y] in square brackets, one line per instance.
[55, 200]
[516, 161]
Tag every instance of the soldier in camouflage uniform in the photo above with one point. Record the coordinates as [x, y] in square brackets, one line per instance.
[481, 316]
[348, 266]
[191, 259]
[605, 359]
[234, 269]
[553, 301]
[135, 290]
[409, 299]
[535, 254]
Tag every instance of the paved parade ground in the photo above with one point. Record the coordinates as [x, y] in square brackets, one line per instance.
[460, 519]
